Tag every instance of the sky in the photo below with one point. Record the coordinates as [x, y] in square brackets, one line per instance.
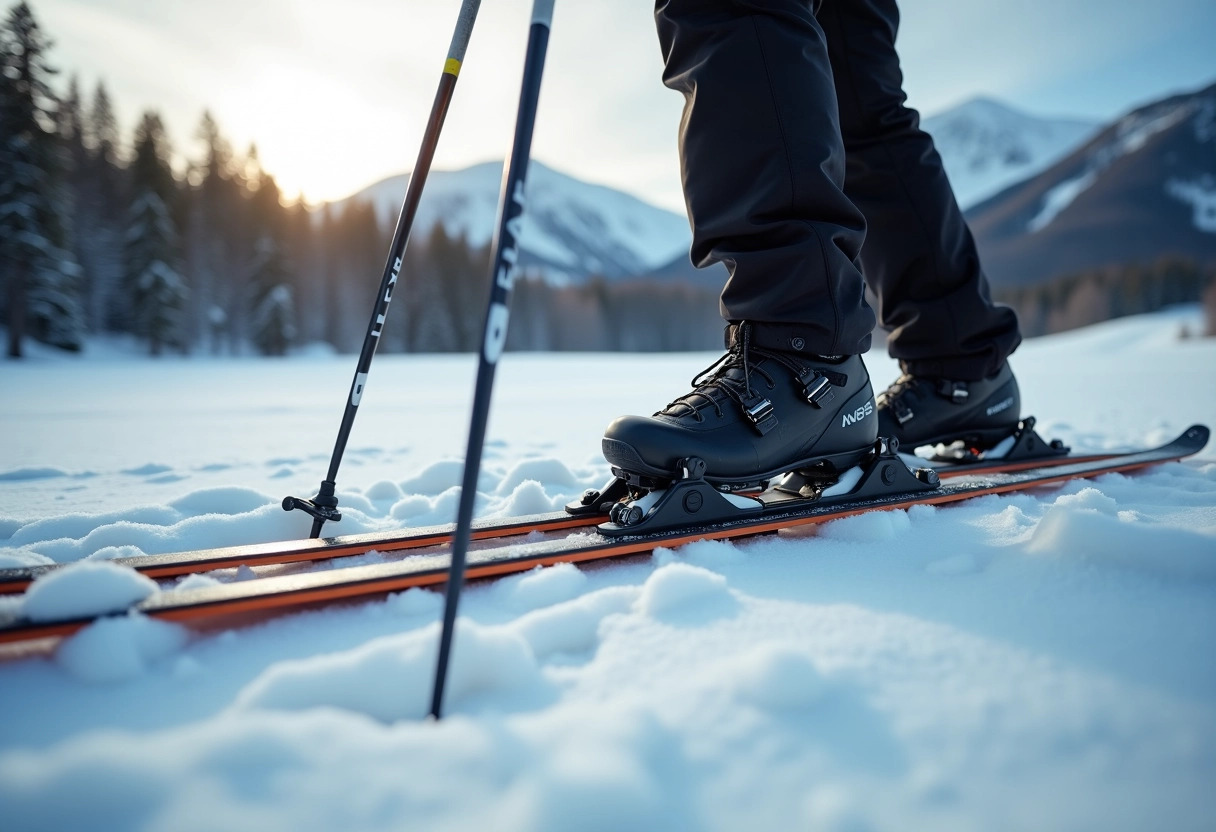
[336, 95]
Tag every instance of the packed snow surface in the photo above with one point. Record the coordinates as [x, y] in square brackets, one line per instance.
[1043, 660]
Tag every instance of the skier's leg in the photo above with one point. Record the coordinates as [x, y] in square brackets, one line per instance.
[919, 257]
[763, 168]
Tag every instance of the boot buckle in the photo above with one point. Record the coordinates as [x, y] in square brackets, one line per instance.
[955, 391]
[759, 412]
[819, 392]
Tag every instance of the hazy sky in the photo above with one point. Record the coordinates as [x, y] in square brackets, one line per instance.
[335, 94]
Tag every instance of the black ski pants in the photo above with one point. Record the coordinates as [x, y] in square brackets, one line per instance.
[795, 147]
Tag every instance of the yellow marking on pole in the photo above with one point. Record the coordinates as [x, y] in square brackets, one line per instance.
[452, 67]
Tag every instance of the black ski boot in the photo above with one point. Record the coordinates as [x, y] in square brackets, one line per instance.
[927, 411]
[753, 415]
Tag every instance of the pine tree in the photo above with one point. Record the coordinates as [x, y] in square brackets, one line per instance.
[101, 200]
[300, 237]
[155, 288]
[42, 277]
[274, 315]
[216, 259]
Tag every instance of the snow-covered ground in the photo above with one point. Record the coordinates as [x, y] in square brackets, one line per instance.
[1037, 661]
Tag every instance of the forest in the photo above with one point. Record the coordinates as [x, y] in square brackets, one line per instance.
[102, 233]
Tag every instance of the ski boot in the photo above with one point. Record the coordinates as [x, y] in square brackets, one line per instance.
[920, 411]
[751, 416]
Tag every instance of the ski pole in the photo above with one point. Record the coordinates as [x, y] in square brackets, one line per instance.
[494, 335]
[324, 506]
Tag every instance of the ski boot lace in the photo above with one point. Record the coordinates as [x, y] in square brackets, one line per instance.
[722, 378]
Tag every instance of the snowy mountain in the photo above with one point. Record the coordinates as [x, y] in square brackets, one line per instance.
[572, 229]
[987, 146]
[1142, 188]
[1002, 163]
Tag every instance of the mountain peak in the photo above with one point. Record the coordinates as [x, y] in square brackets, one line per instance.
[987, 145]
[571, 229]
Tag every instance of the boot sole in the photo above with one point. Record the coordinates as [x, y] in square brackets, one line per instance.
[624, 456]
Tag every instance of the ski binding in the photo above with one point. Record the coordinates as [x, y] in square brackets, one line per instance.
[691, 501]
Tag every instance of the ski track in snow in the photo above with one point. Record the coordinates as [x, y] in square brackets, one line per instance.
[1043, 660]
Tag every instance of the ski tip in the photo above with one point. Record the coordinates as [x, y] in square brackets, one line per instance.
[1198, 434]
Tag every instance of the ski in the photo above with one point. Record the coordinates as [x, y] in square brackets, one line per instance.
[1024, 449]
[782, 507]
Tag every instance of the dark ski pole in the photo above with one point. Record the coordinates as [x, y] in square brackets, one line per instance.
[324, 506]
[494, 335]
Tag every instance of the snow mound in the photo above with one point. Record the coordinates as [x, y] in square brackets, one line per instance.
[529, 497]
[384, 490]
[573, 627]
[390, 678]
[25, 474]
[416, 601]
[265, 524]
[547, 471]
[711, 554]
[1088, 526]
[435, 478]
[75, 526]
[777, 678]
[150, 469]
[116, 552]
[196, 581]
[419, 510]
[678, 586]
[410, 507]
[872, 527]
[83, 589]
[227, 500]
[541, 587]
[17, 558]
[117, 649]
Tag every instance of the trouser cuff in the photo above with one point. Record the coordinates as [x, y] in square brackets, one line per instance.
[794, 339]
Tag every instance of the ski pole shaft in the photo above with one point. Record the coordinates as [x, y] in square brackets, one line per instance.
[324, 506]
[494, 334]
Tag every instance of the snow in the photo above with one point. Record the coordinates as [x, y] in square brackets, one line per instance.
[1131, 134]
[1037, 660]
[1059, 198]
[1200, 194]
[89, 588]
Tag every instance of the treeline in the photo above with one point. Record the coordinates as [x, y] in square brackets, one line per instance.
[101, 233]
[1097, 295]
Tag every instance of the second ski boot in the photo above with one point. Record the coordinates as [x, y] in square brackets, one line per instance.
[751, 416]
[920, 410]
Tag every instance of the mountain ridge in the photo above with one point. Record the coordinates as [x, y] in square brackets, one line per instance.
[574, 230]
[1141, 188]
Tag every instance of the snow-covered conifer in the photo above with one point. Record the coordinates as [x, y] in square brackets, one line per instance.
[41, 277]
[273, 327]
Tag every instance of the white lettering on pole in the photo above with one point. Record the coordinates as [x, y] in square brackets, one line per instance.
[356, 392]
[496, 321]
[496, 332]
[510, 252]
[388, 292]
[378, 327]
